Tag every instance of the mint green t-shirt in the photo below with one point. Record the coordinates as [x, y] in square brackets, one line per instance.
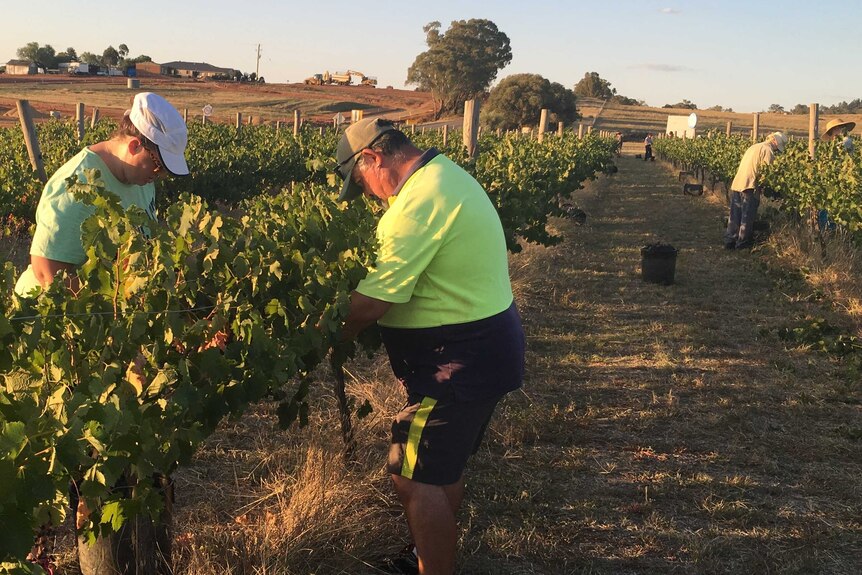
[59, 215]
[442, 258]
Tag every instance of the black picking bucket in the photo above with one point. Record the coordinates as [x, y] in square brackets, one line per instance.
[658, 263]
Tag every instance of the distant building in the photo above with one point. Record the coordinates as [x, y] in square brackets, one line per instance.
[21, 67]
[151, 68]
[196, 70]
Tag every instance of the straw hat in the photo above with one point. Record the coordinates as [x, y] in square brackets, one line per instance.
[837, 124]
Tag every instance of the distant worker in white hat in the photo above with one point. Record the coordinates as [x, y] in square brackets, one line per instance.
[149, 143]
[838, 129]
[744, 194]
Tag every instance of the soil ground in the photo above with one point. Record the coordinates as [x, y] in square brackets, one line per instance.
[266, 102]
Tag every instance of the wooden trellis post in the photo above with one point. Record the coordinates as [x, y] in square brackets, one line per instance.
[25, 117]
[239, 122]
[79, 120]
[755, 129]
[813, 118]
[445, 135]
[728, 129]
[560, 129]
[543, 124]
[471, 127]
[580, 131]
[95, 118]
[297, 119]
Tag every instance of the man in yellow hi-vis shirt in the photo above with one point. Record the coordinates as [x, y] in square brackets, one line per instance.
[440, 293]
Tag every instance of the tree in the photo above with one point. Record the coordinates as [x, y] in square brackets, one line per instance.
[461, 63]
[562, 104]
[123, 50]
[775, 109]
[518, 100]
[138, 59]
[71, 53]
[43, 55]
[686, 104]
[110, 57]
[66, 57]
[593, 86]
[89, 58]
[623, 101]
[29, 51]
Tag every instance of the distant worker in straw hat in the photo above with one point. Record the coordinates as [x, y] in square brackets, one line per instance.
[441, 295]
[838, 129]
[744, 194]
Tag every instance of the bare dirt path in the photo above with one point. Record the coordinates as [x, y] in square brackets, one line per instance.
[667, 428]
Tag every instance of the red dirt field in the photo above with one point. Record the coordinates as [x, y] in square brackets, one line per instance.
[262, 102]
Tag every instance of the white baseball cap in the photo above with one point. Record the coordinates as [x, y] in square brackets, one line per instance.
[157, 120]
[779, 139]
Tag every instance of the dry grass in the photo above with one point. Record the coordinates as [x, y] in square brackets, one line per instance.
[269, 102]
[660, 429]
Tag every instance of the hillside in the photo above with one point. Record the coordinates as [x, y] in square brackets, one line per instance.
[318, 104]
[264, 102]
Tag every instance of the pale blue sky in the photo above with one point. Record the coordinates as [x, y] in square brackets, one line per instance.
[740, 54]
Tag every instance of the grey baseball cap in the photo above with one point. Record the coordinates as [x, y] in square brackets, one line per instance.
[356, 138]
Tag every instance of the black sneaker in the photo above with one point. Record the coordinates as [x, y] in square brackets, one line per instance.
[405, 563]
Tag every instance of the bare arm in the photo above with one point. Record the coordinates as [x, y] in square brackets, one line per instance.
[45, 270]
[364, 311]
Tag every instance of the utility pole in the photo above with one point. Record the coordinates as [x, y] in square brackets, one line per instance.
[257, 65]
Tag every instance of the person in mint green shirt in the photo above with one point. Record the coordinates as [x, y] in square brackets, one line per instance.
[441, 295]
[149, 143]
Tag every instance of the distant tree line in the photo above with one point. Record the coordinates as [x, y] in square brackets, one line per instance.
[851, 107]
[686, 104]
[48, 58]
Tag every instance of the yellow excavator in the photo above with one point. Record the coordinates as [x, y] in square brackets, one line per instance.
[363, 79]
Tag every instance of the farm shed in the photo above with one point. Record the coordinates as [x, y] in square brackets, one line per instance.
[150, 68]
[196, 69]
[21, 67]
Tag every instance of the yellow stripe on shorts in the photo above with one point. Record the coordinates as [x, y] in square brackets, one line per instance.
[411, 450]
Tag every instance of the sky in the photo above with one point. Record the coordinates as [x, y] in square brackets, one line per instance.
[744, 55]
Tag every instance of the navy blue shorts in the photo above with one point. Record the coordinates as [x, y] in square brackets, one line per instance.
[475, 360]
[432, 439]
[455, 375]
